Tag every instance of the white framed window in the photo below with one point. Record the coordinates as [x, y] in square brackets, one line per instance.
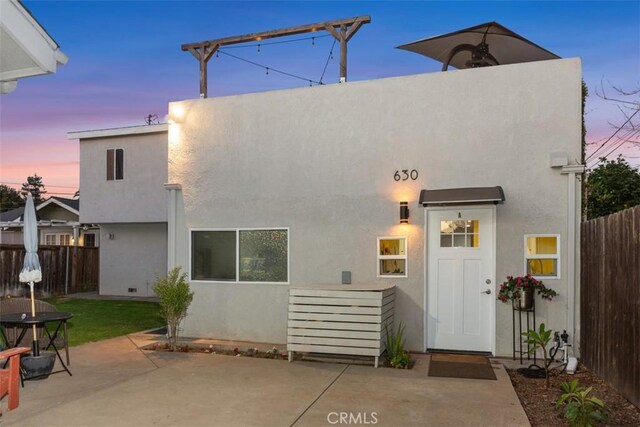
[89, 240]
[241, 255]
[58, 239]
[542, 255]
[115, 164]
[392, 256]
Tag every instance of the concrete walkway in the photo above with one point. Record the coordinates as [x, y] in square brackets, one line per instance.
[114, 383]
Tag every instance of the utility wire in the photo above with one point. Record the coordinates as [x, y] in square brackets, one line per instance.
[275, 70]
[614, 134]
[46, 185]
[622, 142]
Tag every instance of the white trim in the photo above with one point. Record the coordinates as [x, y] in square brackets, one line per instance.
[59, 203]
[237, 281]
[492, 314]
[124, 131]
[543, 256]
[404, 257]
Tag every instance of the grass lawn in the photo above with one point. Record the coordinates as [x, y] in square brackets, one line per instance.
[95, 320]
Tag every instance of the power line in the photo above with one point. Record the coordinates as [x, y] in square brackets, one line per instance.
[622, 142]
[622, 139]
[614, 134]
[275, 70]
[46, 185]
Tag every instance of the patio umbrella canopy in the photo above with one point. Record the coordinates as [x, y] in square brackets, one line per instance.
[31, 268]
[479, 46]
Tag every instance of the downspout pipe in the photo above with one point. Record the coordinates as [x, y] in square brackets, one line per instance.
[172, 212]
[573, 240]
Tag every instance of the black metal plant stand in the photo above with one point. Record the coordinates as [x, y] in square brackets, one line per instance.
[529, 323]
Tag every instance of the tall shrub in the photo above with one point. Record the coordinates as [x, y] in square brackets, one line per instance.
[175, 298]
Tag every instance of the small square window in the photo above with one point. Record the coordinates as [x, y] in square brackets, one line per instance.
[392, 257]
[542, 255]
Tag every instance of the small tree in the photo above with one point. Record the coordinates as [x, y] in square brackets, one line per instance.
[9, 198]
[540, 339]
[35, 186]
[613, 186]
[175, 298]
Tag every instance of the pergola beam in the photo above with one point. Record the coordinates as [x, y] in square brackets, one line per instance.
[341, 29]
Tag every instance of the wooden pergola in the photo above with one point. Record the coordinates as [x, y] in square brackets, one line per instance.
[341, 29]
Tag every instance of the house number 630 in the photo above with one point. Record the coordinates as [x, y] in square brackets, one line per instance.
[405, 174]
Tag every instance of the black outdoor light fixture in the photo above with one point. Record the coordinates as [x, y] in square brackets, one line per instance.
[404, 212]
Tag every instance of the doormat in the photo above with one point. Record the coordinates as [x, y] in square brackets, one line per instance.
[461, 366]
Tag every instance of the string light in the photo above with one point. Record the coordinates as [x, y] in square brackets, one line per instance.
[267, 69]
[244, 46]
[328, 59]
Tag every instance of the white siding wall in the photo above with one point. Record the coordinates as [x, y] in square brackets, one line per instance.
[321, 161]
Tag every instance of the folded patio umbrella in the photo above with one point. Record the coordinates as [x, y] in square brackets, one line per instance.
[483, 45]
[31, 272]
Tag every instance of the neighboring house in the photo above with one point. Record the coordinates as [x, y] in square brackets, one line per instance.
[58, 224]
[122, 172]
[296, 186]
[26, 49]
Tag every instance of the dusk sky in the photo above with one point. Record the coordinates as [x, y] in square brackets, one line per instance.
[125, 62]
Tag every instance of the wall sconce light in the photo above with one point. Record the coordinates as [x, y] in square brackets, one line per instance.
[404, 212]
[112, 236]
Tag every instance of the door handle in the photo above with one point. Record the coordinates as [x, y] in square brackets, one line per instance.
[488, 292]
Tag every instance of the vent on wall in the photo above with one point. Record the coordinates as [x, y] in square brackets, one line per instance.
[132, 290]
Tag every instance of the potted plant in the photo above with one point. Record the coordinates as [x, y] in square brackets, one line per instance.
[520, 290]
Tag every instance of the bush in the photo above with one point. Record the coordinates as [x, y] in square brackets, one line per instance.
[398, 357]
[580, 410]
[175, 298]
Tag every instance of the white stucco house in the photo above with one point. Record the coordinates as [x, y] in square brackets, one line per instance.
[253, 194]
[26, 49]
[297, 186]
[122, 172]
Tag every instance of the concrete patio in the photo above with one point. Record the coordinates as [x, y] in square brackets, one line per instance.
[116, 383]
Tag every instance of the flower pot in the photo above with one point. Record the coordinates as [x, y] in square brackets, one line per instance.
[525, 300]
[38, 367]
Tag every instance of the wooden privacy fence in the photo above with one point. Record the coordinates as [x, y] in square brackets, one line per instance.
[65, 270]
[610, 300]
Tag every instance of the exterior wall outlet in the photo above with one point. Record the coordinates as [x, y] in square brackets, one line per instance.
[346, 277]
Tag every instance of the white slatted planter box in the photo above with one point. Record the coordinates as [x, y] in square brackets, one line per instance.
[339, 319]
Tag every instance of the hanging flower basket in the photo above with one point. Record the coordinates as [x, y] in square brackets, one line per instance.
[524, 301]
[520, 290]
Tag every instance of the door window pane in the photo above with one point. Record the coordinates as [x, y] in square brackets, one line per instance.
[263, 255]
[460, 233]
[213, 255]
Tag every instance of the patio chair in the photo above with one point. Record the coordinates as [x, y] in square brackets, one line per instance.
[23, 305]
[10, 378]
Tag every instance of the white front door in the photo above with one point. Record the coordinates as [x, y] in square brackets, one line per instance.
[460, 278]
